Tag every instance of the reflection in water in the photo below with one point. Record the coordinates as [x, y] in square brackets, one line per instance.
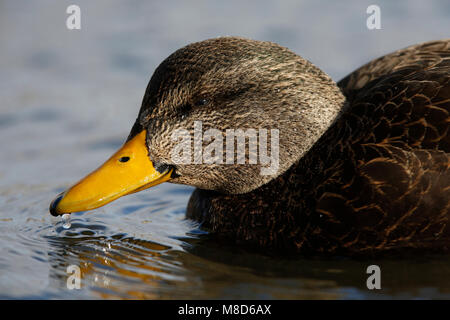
[113, 267]
[120, 266]
[125, 267]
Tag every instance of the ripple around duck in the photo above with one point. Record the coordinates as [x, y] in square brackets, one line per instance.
[118, 255]
[107, 263]
[112, 264]
[153, 252]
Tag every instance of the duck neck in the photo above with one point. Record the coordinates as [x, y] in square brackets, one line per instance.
[275, 213]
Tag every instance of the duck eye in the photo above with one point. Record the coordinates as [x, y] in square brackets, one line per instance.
[201, 102]
[124, 159]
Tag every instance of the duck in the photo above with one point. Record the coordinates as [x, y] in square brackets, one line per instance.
[353, 167]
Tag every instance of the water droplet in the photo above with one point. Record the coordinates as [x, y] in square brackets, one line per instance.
[66, 220]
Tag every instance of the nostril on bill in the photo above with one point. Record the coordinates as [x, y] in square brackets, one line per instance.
[124, 159]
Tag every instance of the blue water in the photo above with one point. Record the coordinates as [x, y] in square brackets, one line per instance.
[68, 100]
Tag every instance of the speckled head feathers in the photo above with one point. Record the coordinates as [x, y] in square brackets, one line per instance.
[234, 83]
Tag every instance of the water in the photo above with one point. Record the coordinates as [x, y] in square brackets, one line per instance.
[66, 221]
[68, 100]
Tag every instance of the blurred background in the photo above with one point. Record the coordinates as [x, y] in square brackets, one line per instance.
[68, 99]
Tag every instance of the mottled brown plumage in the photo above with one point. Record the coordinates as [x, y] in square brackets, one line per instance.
[364, 164]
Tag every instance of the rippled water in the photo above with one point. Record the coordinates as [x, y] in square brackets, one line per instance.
[68, 100]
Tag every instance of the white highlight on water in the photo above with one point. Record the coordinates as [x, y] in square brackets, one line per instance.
[66, 220]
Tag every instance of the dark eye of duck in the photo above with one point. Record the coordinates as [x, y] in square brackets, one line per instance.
[124, 159]
[201, 102]
[185, 109]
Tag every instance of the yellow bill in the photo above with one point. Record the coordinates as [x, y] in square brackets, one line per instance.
[129, 170]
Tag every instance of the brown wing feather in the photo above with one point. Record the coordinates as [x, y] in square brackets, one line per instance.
[406, 99]
[416, 57]
[395, 198]
[390, 180]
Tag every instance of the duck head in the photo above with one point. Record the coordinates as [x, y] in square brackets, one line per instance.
[198, 103]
